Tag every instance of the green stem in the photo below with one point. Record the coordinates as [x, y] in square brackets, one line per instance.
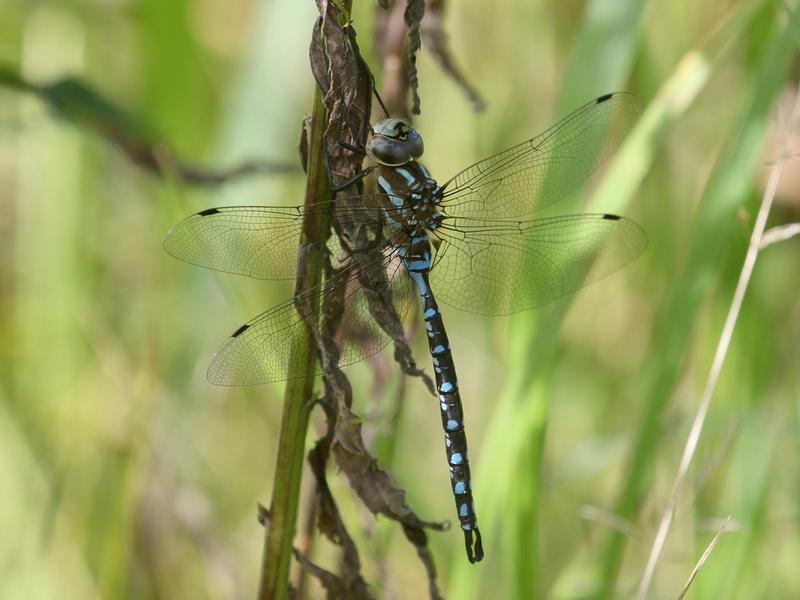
[274, 583]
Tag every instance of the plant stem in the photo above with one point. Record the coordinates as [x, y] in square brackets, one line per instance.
[721, 353]
[274, 582]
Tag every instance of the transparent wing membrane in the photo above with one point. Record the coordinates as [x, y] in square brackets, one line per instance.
[502, 267]
[261, 351]
[256, 241]
[259, 241]
[489, 258]
[546, 168]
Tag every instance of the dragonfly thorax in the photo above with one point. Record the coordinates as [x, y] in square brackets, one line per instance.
[412, 197]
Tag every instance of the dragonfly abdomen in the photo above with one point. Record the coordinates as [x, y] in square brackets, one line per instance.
[414, 198]
[451, 412]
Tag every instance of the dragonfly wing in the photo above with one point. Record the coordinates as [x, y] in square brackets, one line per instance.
[543, 170]
[502, 267]
[262, 350]
[256, 241]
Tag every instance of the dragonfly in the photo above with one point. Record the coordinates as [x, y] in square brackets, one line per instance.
[481, 242]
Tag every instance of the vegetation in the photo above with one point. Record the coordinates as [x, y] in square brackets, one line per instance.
[125, 474]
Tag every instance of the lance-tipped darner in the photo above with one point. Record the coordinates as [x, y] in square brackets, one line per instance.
[471, 243]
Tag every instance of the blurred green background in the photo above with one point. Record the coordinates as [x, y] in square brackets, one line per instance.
[124, 474]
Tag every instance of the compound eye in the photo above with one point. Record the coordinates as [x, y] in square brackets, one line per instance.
[388, 151]
[415, 144]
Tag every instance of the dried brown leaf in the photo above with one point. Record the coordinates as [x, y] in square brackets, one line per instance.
[302, 144]
[419, 539]
[372, 484]
[336, 587]
[415, 11]
[346, 85]
[350, 582]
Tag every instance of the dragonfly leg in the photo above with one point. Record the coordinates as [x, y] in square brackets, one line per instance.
[353, 148]
[355, 178]
[338, 187]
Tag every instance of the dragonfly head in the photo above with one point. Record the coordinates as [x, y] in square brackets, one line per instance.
[393, 142]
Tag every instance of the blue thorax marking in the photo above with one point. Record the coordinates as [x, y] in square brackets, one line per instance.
[412, 181]
[396, 200]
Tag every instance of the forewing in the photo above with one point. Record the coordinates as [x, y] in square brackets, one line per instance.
[499, 268]
[543, 170]
[257, 241]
